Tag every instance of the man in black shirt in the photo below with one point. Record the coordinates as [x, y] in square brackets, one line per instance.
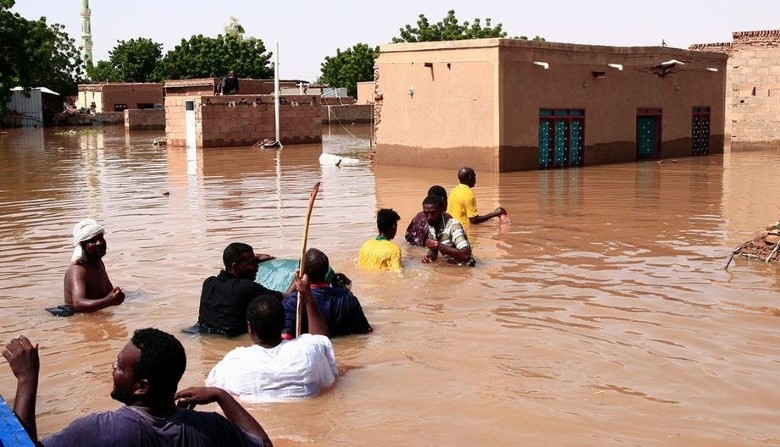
[225, 297]
[227, 85]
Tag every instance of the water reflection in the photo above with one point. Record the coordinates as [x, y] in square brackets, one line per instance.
[603, 301]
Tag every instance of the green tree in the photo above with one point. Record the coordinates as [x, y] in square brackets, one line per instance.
[349, 67]
[104, 71]
[35, 54]
[136, 59]
[205, 57]
[448, 29]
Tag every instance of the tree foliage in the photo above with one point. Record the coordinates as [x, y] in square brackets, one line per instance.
[134, 60]
[450, 29]
[349, 67]
[206, 57]
[35, 54]
[104, 71]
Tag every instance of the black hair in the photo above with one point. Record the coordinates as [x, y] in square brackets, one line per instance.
[437, 190]
[233, 253]
[317, 265]
[386, 219]
[265, 314]
[162, 360]
[433, 200]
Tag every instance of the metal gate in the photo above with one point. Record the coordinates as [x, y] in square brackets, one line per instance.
[648, 133]
[561, 137]
[700, 131]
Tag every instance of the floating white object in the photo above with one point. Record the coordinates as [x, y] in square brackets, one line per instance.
[337, 160]
[672, 62]
[618, 66]
[544, 65]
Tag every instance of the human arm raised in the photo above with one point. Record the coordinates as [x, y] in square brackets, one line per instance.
[23, 359]
[234, 412]
[316, 322]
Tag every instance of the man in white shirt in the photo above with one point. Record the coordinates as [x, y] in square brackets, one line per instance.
[273, 368]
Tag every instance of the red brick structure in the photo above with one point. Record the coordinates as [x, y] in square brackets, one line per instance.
[753, 85]
[237, 120]
[116, 97]
[507, 105]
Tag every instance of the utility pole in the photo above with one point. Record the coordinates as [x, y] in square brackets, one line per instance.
[86, 32]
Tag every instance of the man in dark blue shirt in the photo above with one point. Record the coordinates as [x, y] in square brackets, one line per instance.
[341, 309]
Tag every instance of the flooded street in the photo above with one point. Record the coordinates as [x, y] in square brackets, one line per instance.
[601, 315]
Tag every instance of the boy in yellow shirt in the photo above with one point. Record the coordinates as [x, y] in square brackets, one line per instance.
[380, 253]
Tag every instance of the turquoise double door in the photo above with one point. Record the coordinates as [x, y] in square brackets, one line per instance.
[561, 137]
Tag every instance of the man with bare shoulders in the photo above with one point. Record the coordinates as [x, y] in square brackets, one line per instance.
[87, 287]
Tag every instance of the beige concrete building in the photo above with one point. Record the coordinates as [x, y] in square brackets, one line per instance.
[117, 96]
[506, 105]
[753, 80]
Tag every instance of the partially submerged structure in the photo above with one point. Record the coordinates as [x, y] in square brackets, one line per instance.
[195, 116]
[753, 85]
[507, 105]
[26, 107]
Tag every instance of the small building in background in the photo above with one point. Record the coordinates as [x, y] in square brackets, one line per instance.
[118, 96]
[507, 105]
[27, 108]
[753, 85]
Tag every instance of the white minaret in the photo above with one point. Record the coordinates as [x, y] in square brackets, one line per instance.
[86, 32]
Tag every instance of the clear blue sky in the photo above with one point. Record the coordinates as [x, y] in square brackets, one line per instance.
[309, 31]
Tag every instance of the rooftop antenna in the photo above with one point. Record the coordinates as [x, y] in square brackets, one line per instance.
[86, 33]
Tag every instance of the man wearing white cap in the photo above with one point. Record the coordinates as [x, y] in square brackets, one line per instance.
[87, 287]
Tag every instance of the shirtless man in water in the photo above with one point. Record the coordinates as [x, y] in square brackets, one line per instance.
[87, 287]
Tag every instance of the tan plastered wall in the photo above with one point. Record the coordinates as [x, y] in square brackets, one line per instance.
[579, 77]
[478, 102]
[87, 97]
[365, 93]
[442, 115]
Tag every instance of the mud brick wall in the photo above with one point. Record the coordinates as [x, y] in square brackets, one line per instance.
[145, 119]
[174, 120]
[753, 85]
[243, 120]
[131, 95]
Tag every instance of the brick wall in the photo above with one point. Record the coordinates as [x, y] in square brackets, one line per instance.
[753, 80]
[243, 120]
[145, 119]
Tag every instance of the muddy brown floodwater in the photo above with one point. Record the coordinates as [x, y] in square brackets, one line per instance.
[600, 316]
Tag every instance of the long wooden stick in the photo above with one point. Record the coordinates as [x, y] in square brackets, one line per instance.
[733, 252]
[298, 306]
